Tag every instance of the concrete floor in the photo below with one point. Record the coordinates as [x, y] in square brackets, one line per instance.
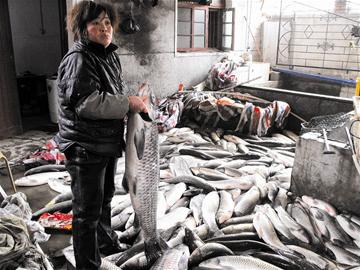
[40, 195]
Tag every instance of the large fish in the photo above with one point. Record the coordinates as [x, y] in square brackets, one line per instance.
[209, 208]
[142, 175]
[45, 168]
[173, 259]
[63, 207]
[237, 262]
[40, 178]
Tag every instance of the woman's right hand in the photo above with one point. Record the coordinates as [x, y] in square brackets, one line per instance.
[137, 104]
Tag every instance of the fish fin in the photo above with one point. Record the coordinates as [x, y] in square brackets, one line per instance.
[145, 116]
[125, 184]
[139, 139]
[136, 223]
[154, 249]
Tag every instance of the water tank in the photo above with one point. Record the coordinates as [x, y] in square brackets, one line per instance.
[52, 99]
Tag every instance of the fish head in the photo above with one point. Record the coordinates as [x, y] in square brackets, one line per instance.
[150, 115]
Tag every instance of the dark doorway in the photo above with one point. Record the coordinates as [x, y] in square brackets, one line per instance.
[39, 42]
[10, 121]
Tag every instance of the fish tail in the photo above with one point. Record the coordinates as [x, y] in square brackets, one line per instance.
[154, 249]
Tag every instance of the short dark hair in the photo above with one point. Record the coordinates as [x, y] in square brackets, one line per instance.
[86, 11]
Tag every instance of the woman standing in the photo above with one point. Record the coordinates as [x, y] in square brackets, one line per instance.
[91, 127]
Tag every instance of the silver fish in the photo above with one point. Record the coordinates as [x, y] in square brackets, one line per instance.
[130, 221]
[60, 198]
[320, 204]
[244, 183]
[265, 230]
[138, 261]
[192, 180]
[230, 171]
[301, 215]
[291, 135]
[142, 177]
[45, 168]
[179, 166]
[315, 258]
[195, 206]
[173, 195]
[212, 164]
[128, 233]
[207, 251]
[351, 228]
[355, 219]
[208, 174]
[237, 262]
[40, 178]
[192, 240]
[209, 208]
[235, 193]
[273, 189]
[278, 225]
[173, 259]
[215, 137]
[202, 231]
[281, 137]
[182, 202]
[343, 256]
[63, 207]
[121, 219]
[190, 222]
[162, 205]
[177, 238]
[172, 218]
[235, 139]
[261, 170]
[239, 220]
[295, 228]
[238, 228]
[226, 207]
[117, 209]
[334, 232]
[248, 202]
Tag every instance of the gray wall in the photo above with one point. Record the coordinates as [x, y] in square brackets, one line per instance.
[150, 55]
[35, 52]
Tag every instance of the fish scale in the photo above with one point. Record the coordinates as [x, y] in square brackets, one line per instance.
[147, 172]
[142, 175]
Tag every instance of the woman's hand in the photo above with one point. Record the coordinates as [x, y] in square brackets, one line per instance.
[138, 104]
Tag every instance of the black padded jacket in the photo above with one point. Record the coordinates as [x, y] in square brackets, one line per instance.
[92, 104]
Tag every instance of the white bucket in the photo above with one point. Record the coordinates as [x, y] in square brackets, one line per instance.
[52, 99]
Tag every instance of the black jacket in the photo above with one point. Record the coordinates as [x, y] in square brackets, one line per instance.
[91, 99]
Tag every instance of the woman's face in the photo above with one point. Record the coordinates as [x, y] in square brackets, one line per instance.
[100, 30]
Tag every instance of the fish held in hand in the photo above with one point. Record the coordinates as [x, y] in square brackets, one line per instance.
[142, 176]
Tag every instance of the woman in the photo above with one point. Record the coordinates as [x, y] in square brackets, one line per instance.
[91, 127]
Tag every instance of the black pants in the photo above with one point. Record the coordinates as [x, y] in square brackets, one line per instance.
[93, 188]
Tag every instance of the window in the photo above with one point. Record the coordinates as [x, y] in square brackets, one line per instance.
[201, 28]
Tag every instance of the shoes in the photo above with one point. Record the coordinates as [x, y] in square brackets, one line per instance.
[113, 249]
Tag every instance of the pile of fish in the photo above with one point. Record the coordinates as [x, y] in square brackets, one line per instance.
[223, 202]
